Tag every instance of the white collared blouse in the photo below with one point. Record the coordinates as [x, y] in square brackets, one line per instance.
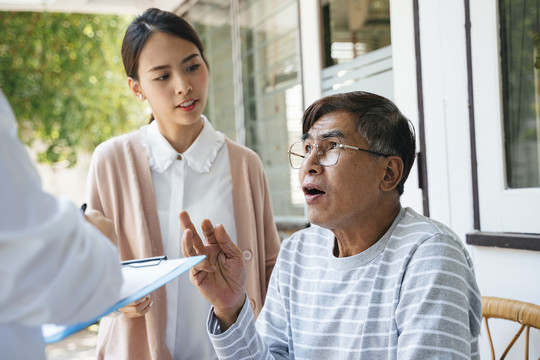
[199, 181]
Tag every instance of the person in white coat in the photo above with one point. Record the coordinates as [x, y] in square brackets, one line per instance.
[55, 267]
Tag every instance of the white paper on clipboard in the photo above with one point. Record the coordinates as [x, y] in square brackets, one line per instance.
[139, 281]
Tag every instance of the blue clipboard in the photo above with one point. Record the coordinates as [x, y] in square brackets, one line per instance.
[140, 279]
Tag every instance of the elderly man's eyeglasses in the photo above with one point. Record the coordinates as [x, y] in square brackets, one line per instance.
[328, 151]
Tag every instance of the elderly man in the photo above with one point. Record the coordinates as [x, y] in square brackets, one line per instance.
[370, 279]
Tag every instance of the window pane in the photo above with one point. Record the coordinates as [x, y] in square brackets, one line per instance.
[212, 21]
[271, 90]
[273, 94]
[353, 28]
[521, 91]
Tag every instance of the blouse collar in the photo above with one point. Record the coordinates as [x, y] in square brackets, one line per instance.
[199, 156]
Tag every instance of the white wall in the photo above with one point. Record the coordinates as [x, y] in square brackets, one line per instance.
[405, 90]
[499, 272]
[310, 50]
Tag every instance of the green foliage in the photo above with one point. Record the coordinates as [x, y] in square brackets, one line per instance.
[64, 78]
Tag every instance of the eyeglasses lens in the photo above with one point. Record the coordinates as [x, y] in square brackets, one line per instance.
[297, 154]
[327, 152]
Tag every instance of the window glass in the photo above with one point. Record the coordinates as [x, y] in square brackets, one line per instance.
[272, 94]
[212, 21]
[521, 91]
[271, 91]
[353, 28]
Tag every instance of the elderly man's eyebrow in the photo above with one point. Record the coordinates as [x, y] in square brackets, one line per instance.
[325, 135]
[332, 133]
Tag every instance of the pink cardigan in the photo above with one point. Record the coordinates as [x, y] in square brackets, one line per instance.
[120, 186]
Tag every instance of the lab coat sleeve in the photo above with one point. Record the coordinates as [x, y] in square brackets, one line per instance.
[54, 266]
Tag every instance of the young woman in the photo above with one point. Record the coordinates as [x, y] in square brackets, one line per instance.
[141, 181]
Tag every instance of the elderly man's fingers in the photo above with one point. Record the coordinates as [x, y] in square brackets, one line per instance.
[225, 242]
[192, 245]
[187, 244]
[185, 221]
[188, 241]
[196, 242]
[208, 232]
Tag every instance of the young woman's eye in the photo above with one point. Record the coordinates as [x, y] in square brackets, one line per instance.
[193, 67]
[163, 77]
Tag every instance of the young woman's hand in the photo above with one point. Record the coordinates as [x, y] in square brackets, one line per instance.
[136, 308]
[103, 224]
[221, 277]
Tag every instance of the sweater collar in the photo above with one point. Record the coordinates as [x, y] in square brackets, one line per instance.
[200, 156]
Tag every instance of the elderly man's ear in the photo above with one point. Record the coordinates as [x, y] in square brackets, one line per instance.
[393, 173]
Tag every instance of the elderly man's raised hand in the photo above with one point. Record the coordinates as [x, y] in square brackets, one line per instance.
[221, 277]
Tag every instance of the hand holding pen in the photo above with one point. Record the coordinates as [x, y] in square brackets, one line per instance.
[101, 222]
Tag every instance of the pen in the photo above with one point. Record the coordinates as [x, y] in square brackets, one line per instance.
[144, 260]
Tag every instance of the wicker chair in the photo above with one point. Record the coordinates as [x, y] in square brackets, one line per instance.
[526, 314]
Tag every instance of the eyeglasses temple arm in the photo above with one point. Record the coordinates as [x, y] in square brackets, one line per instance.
[293, 153]
[366, 150]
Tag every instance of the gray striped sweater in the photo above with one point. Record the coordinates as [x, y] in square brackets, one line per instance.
[412, 295]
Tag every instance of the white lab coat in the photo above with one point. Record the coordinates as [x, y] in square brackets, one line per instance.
[54, 266]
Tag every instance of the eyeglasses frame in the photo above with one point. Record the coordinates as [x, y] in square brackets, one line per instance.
[341, 146]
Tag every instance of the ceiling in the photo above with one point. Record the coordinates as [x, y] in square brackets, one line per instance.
[90, 6]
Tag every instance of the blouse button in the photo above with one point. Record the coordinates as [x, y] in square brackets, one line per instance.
[247, 255]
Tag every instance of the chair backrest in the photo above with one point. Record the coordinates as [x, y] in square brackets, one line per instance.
[526, 314]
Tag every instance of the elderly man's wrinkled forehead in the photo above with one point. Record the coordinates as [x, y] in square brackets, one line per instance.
[325, 125]
[335, 124]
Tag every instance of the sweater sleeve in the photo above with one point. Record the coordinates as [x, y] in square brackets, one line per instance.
[438, 313]
[246, 340]
[241, 340]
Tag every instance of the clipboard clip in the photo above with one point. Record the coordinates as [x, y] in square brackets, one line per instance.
[144, 262]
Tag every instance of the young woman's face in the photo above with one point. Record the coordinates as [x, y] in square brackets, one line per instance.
[173, 77]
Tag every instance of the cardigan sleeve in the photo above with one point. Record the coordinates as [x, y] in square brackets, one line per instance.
[272, 241]
[92, 193]
[262, 202]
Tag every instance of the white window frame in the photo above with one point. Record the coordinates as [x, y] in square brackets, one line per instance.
[501, 209]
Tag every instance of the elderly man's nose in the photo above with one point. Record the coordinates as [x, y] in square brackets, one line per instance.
[311, 161]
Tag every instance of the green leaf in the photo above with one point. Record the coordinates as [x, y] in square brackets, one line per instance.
[64, 78]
